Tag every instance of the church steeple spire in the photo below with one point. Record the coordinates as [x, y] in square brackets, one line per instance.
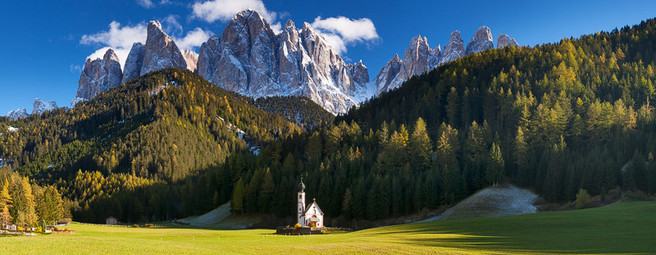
[300, 207]
[301, 186]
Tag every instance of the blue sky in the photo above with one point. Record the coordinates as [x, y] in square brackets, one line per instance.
[42, 47]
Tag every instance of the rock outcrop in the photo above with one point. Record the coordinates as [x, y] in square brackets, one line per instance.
[249, 58]
[160, 50]
[454, 49]
[134, 62]
[98, 75]
[17, 114]
[40, 106]
[480, 41]
[419, 58]
[504, 40]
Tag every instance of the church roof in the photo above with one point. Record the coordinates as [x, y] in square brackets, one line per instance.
[314, 203]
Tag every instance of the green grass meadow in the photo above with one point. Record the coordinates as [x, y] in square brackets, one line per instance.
[625, 228]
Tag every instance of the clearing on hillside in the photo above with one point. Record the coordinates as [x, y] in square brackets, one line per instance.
[491, 202]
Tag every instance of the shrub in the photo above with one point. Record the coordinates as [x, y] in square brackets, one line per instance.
[135, 225]
[297, 226]
[582, 199]
[148, 225]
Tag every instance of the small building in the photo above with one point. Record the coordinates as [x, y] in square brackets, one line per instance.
[310, 216]
[111, 220]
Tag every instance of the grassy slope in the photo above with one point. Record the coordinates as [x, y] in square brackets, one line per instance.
[622, 228]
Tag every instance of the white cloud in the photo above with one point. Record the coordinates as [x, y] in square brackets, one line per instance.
[171, 25]
[145, 3]
[224, 10]
[121, 53]
[118, 38]
[194, 38]
[336, 42]
[342, 31]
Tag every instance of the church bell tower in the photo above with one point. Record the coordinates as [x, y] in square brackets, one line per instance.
[300, 211]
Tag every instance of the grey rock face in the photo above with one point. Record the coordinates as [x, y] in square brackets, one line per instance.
[99, 75]
[387, 74]
[134, 62]
[418, 59]
[160, 51]
[17, 114]
[40, 106]
[249, 58]
[454, 49]
[480, 41]
[504, 40]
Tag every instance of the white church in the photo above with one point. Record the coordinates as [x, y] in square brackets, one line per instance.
[310, 216]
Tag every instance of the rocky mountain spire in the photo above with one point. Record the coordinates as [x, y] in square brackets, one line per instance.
[134, 62]
[505, 40]
[249, 58]
[17, 114]
[160, 50]
[480, 41]
[454, 49]
[418, 59]
[387, 74]
[39, 106]
[99, 75]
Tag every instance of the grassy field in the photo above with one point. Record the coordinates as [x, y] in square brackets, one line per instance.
[622, 228]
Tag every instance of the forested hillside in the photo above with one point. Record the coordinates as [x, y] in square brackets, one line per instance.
[300, 110]
[158, 129]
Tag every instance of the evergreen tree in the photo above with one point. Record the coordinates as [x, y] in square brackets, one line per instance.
[25, 204]
[5, 204]
[420, 148]
[238, 197]
[495, 167]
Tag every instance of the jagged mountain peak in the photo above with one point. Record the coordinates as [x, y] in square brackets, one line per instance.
[155, 24]
[40, 106]
[160, 50]
[480, 41]
[290, 25]
[99, 75]
[418, 58]
[504, 40]
[110, 55]
[249, 58]
[17, 114]
[134, 62]
[454, 49]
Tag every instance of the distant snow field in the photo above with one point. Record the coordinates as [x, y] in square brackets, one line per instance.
[491, 202]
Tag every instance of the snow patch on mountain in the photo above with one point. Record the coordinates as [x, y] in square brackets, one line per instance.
[40, 106]
[17, 114]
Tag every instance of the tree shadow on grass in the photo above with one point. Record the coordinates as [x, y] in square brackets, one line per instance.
[565, 234]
